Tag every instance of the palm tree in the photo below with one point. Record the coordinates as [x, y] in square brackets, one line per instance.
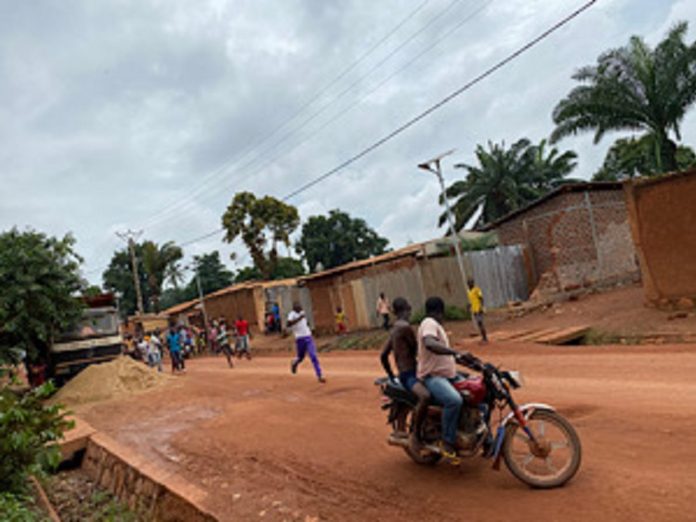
[174, 274]
[550, 167]
[157, 263]
[634, 88]
[631, 157]
[505, 180]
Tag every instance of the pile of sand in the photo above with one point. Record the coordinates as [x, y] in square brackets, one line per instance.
[118, 378]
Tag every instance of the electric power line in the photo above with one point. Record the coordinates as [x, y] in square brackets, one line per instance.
[477, 79]
[317, 96]
[378, 86]
[442, 102]
[488, 72]
[190, 203]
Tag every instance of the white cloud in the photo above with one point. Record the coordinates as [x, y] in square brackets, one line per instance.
[145, 114]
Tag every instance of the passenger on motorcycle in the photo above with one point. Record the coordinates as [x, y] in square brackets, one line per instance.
[437, 369]
[403, 344]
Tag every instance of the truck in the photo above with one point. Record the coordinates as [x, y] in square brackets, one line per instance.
[95, 338]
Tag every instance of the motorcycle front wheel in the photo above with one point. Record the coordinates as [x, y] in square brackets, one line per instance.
[550, 462]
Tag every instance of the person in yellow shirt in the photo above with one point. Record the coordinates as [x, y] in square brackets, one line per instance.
[341, 326]
[475, 296]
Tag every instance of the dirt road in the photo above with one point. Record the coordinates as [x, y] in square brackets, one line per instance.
[268, 445]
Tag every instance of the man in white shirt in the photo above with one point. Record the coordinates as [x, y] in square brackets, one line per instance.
[304, 343]
[438, 370]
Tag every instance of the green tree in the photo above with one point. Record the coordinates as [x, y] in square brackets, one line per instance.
[159, 261]
[631, 157]
[286, 267]
[337, 239]
[261, 224]
[173, 296]
[506, 179]
[40, 282]
[213, 274]
[92, 291]
[118, 278]
[635, 88]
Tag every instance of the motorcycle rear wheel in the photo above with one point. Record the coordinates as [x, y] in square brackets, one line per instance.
[423, 456]
[545, 474]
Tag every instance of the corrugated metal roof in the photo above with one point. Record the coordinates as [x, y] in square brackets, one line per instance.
[568, 187]
[662, 178]
[181, 307]
[410, 250]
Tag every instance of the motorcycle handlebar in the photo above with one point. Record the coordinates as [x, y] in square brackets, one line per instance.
[466, 359]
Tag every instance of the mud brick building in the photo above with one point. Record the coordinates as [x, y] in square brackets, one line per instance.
[577, 236]
[662, 213]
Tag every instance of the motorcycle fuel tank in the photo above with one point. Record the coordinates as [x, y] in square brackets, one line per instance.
[476, 388]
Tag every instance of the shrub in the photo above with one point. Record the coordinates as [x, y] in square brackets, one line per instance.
[15, 508]
[29, 431]
[452, 313]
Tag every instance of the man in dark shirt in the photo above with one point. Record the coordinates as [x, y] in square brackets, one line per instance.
[403, 343]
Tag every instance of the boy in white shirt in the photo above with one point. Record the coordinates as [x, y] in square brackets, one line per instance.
[304, 343]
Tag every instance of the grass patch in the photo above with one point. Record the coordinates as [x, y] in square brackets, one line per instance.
[357, 341]
[452, 313]
[75, 496]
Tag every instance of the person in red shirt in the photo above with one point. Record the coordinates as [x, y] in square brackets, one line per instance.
[243, 336]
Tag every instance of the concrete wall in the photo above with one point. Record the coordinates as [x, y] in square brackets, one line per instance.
[663, 222]
[576, 239]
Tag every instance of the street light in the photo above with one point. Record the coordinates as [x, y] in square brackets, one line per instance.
[433, 166]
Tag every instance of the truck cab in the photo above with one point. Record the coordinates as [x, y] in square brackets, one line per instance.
[94, 339]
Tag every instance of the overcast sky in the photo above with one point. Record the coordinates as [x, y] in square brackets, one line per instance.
[150, 115]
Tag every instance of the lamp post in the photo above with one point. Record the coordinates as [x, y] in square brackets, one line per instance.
[433, 166]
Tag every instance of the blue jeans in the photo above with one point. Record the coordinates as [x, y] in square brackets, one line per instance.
[408, 379]
[451, 401]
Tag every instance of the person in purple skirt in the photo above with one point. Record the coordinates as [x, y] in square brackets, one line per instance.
[304, 343]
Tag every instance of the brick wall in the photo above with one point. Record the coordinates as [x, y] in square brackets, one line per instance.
[154, 493]
[576, 239]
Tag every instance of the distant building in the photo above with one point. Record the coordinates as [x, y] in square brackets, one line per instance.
[577, 236]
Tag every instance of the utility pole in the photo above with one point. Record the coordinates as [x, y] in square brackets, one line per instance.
[200, 298]
[128, 237]
[433, 166]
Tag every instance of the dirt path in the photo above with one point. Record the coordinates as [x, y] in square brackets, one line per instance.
[271, 446]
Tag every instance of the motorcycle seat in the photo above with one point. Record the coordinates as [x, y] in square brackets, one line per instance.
[396, 390]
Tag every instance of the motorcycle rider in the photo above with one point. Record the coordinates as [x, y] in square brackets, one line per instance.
[402, 342]
[437, 369]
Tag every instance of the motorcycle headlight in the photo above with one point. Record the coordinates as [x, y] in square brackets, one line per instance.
[516, 378]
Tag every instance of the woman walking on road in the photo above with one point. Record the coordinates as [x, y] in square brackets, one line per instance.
[304, 342]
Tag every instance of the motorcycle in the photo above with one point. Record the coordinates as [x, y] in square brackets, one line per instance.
[539, 446]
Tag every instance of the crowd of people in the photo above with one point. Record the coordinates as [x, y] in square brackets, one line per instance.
[424, 359]
[181, 342]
